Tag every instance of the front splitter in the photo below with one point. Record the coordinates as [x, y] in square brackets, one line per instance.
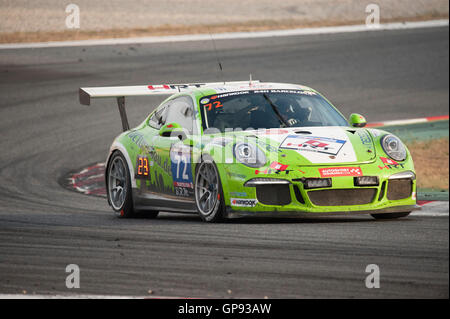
[293, 214]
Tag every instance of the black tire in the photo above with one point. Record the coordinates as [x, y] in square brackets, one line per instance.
[390, 215]
[216, 209]
[123, 206]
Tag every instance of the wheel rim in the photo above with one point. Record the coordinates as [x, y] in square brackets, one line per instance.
[117, 183]
[207, 188]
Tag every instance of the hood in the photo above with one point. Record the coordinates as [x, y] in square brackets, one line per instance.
[316, 145]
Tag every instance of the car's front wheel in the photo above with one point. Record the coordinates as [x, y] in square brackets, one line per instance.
[208, 192]
[390, 215]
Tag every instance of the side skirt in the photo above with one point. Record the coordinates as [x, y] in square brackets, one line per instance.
[159, 202]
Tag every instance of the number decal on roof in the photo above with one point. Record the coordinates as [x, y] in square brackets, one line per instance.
[216, 105]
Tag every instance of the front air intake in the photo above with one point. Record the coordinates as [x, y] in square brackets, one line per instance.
[273, 194]
[399, 189]
[342, 197]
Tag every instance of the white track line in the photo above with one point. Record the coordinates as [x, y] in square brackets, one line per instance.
[231, 35]
[409, 121]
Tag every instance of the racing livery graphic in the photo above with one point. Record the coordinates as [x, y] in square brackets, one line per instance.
[180, 159]
[313, 144]
[236, 149]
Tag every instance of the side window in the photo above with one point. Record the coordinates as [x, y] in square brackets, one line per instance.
[158, 118]
[181, 111]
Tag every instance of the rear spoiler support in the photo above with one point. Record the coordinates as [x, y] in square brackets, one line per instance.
[123, 113]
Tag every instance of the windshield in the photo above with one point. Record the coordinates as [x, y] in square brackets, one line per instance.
[267, 109]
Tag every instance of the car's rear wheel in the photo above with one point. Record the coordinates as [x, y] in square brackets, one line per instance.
[208, 192]
[390, 215]
[119, 186]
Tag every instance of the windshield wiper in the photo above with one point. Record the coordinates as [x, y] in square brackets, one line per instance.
[277, 112]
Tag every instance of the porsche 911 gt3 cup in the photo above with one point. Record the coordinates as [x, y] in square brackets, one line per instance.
[249, 148]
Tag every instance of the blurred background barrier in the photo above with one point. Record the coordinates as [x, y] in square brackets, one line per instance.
[45, 20]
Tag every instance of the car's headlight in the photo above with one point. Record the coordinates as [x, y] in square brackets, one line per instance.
[393, 147]
[249, 155]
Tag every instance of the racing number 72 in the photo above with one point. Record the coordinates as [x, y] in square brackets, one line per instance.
[181, 159]
[217, 104]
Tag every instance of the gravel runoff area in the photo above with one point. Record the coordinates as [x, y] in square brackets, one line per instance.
[49, 15]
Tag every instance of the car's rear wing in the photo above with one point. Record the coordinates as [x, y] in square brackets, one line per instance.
[120, 92]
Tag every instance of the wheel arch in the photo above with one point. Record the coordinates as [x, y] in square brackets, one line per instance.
[220, 169]
[119, 147]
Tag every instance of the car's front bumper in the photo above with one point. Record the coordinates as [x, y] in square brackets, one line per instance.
[395, 192]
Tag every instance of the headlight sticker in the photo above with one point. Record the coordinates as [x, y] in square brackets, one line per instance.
[275, 168]
[390, 164]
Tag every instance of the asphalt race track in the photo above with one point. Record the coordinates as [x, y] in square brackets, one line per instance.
[45, 134]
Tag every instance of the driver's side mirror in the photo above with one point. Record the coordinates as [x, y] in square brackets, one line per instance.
[172, 130]
[357, 120]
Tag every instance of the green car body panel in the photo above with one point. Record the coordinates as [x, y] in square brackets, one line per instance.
[157, 184]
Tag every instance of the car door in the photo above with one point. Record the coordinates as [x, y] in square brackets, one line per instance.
[170, 169]
[181, 112]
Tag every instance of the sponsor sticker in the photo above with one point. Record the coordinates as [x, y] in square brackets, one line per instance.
[159, 87]
[278, 166]
[340, 171]
[274, 132]
[243, 202]
[174, 86]
[324, 145]
[183, 184]
[142, 167]
[180, 158]
[365, 138]
[275, 168]
[388, 161]
[390, 164]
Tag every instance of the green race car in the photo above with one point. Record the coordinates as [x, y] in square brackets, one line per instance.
[235, 149]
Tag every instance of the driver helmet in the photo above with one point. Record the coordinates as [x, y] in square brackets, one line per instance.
[290, 109]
